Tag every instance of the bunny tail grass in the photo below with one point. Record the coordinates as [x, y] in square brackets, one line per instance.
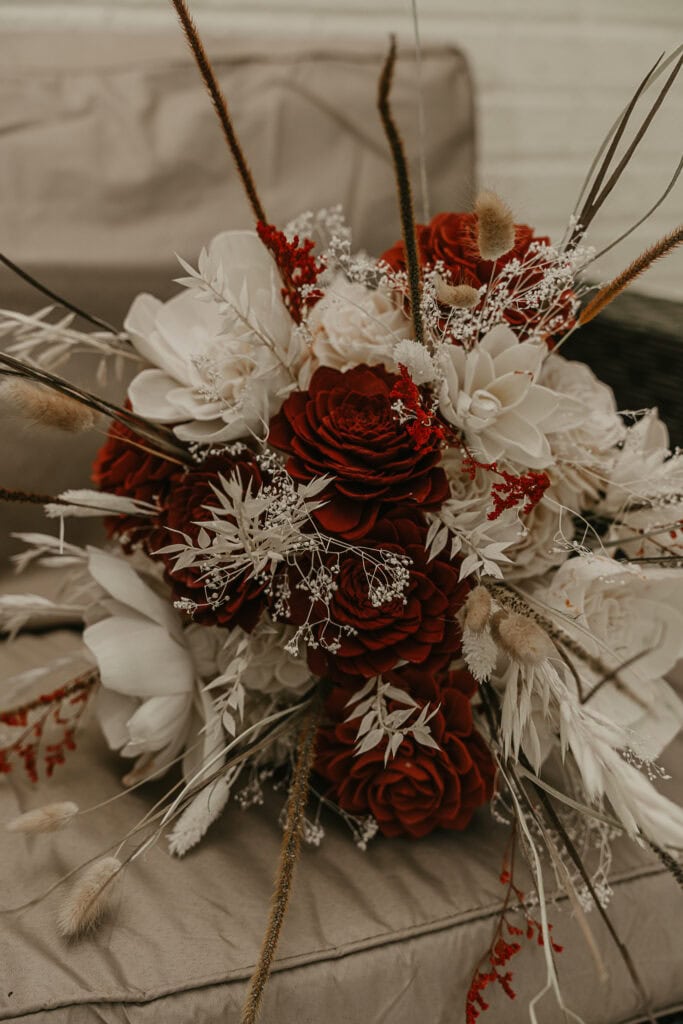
[289, 852]
[48, 818]
[48, 408]
[88, 900]
[495, 226]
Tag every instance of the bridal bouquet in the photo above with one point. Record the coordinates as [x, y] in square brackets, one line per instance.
[372, 532]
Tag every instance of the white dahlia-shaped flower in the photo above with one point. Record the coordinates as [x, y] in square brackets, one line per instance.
[353, 324]
[222, 353]
[261, 662]
[585, 432]
[491, 394]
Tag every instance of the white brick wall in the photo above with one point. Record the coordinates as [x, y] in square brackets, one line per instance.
[551, 77]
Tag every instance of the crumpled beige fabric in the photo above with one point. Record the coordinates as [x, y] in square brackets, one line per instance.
[390, 935]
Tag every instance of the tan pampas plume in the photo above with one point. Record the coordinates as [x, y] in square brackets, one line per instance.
[462, 296]
[88, 901]
[521, 638]
[49, 818]
[47, 407]
[495, 227]
[477, 609]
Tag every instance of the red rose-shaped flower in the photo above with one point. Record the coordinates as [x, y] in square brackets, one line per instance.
[452, 239]
[186, 507]
[421, 788]
[123, 467]
[344, 427]
[413, 626]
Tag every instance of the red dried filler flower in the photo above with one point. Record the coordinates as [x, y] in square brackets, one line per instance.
[344, 426]
[299, 268]
[422, 788]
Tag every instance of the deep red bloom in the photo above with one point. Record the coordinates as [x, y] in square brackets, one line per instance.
[422, 788]
[184, 511]
[344, 426]
[122, 466]
[414, 628]
[452, 239]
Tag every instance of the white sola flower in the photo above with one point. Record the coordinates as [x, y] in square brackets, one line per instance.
[353, 324]
[490, 394]
[146, 670]
[220, 351]
[585, 431]
[631, 620]
[262, 662]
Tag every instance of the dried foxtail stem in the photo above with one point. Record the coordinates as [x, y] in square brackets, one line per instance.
[289, 852]
[642, 263]
[46, 407]
[404, 191]
[461, 296]
[597, 191]
[49, 818]
[495, 226]
[220, 106]
[89, 899]
[44, 290]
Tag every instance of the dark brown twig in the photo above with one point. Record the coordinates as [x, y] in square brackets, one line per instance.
[220, 106]
[642, 263]
[289, 851]
[404, 191]
[29, 498]
[60, 300]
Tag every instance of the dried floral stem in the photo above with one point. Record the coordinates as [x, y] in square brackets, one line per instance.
[596, 198]
[220, 106]
[152, 432]
[289, 851]
[404, 191]
[556, 823]
[642, 263]
[29, 498]
[674, 867]
[20, 272]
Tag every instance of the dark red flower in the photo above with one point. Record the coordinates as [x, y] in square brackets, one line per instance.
[123, 467]
[421, 788]
[452, 239]
[414, 627]
[184, 510]
[344, 426]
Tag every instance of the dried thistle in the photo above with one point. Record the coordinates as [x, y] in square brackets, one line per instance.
[49, 818]
[521, 638]
[48, 408]
[495, 227]
[88, 901]
[461, 296]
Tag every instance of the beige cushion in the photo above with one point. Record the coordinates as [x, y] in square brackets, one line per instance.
[392, 934]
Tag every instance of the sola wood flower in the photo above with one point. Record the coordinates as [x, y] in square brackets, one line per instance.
[345, 426]
[492, 396]
[220, 351]
[145, 667]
